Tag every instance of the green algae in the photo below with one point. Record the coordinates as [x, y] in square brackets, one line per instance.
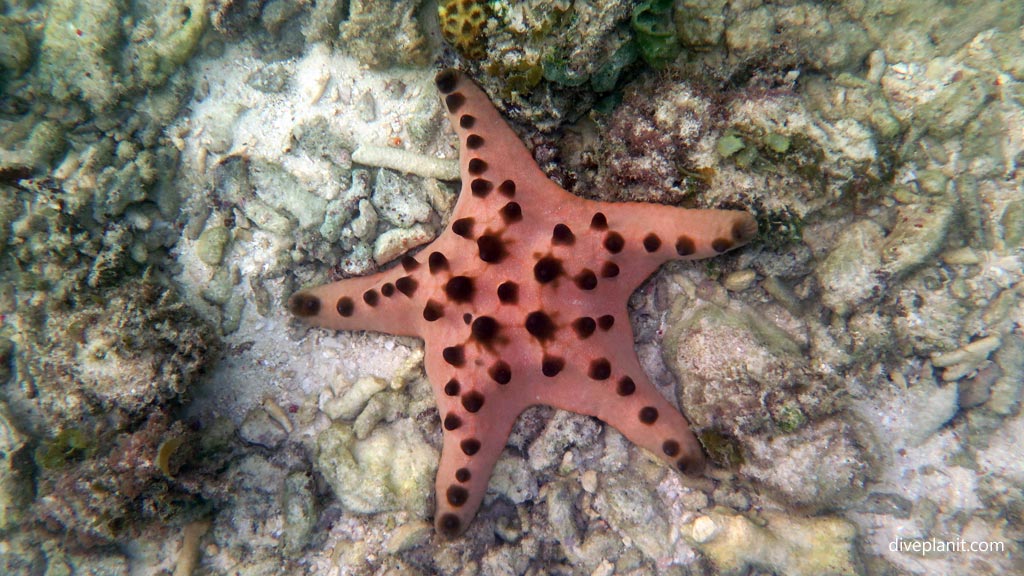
[68, 445]
[724, 450]
[790, 418]
[655, 32]
[729, 144]
[778, 143]
[607, 75]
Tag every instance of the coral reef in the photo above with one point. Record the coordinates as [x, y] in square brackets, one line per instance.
[462, 24]
[382, 33]
[79, 55]
[543, 55]
[391, 469]
[87, 362]
[107, 491]
[15, 480]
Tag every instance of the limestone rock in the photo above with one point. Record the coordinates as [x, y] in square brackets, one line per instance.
[783, 544]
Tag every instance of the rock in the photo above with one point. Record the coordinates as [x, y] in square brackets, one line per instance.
[562, 432]
[782, 544]
[173, 36]
[560, 513]
[77, 55]
[956, 104]
[700, 23]
[976, 390]
[319, 139]
[751, 32]
[870, 333]
[392, 469]
[119, 357]
[46, 143]
[514, 479]
[399, 200]
[232, 317]
[322, 23]
[270, 79]
[1012, 223]
[364, 225]
[211, 244]
[220, 287]
[740, 280]
[928, 318]
[849, 274]
[283, 191]
[919, 233]
[261, 429]
[267, 218]
[633, 509]
[366, 107]
[928, 408]
[887, 504]
[397, 241]
[15, 477]
[298, 506]
[600, 547]
[812, 468]
[15, 54]
[383, 407]
[735, 368]
[1005, 394]
[352, 402]
[383, 33]
[408, 536]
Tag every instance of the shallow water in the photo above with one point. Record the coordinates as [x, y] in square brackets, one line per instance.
[170, 173]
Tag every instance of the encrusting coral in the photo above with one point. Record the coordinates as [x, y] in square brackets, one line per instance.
[522, 301]
[462, 22]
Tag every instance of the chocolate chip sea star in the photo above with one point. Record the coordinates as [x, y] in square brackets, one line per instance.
[522, 301]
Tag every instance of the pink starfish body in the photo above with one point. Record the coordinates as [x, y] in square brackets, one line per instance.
[522, 301]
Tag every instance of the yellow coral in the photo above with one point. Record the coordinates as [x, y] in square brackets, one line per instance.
[462, 25]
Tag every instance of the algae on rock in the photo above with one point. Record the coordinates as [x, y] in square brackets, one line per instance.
[139, 348]
[15, 472]
[392, 469]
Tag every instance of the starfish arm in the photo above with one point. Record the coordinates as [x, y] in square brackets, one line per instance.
[617, 391]
[477, 416]
[648, 235]
[495, 165]
[390, 301]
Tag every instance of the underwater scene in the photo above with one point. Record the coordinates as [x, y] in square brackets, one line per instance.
[510, 288]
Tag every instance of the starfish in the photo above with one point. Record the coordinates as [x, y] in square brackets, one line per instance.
[522, 301]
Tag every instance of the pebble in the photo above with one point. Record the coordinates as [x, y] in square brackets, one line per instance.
[211, 244]
[259, 428]
[352, 402]
[408, 536]
[965, 255]
[740, 280]
[589, 481]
